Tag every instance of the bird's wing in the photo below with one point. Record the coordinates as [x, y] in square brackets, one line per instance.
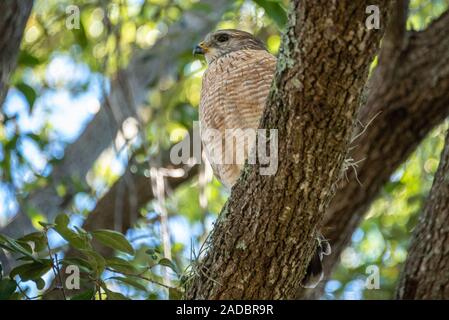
[247, 88]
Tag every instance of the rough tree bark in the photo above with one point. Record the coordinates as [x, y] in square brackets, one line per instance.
[13, 18]
[128, 93]
[426, 270]
[410, 87]
[265, 235]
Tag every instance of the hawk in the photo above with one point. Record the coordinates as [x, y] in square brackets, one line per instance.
[234, 90]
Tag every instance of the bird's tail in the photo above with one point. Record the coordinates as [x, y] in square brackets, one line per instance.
[314, 272]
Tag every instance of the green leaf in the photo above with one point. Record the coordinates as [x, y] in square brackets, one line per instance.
[62, 220]
[152, 253]
[86, 295]
[131, 282]
[28, 92]
[38, 238]
[74, 239]
[7, 288]
[26, 258]
[115, 295]
[95, 260]
[40, 283]
[174, 294]
[204, 7]
[274, 10]
[114, 240]
[120, 265]
[82, 264]
[45, 224]
[168, 263]
[25, 245]
[27, 59]
[80, 35]
[14, 246]
[31, 271]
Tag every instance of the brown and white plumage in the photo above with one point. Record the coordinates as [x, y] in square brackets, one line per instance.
[233, 95]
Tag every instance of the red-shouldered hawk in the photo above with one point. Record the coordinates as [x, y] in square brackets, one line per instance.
[233, 95]
[235, 88]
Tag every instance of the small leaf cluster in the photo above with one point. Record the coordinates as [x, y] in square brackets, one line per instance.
[98, 273]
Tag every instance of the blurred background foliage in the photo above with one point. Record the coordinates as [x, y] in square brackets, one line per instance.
[58, 86]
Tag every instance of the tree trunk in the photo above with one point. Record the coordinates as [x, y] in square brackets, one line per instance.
[13, 18]
[426, 270]
[409, 93]
[128, 93]
[264, 238]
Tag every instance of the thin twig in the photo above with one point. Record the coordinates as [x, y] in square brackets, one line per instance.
[365, 127]
[23, 292]
[55, 269]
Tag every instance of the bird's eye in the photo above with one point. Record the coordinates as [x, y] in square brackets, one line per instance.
[222, 38]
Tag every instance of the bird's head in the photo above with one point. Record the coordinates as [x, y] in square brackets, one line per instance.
[221, 42]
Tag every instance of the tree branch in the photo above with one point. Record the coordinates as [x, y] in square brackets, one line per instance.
[409, 104]
[427, 265]
[13, 18]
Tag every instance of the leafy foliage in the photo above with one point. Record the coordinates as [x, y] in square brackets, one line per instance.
[94, 268]
[275, 10]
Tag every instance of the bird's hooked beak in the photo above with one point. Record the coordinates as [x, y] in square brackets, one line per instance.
[200, 48]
